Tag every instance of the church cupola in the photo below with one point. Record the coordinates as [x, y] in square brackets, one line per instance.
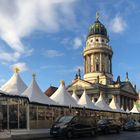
[98, 54]
[97, 28]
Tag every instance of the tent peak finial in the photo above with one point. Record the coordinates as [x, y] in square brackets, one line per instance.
[33, 75]
[97, 16]
[62, 82]
[16, 70]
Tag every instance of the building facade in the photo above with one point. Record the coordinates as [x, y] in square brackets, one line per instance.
[98, 75]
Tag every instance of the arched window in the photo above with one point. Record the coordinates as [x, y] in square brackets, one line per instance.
[97, 67]
[97, 40]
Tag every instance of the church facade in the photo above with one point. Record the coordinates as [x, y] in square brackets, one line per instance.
[98, 75]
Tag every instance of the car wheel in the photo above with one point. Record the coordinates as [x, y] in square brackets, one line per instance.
[69, 134]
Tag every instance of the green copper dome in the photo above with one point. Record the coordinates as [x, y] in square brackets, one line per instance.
[97, 28]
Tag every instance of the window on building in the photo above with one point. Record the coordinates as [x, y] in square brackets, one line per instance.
[97, 40]
[97, 67]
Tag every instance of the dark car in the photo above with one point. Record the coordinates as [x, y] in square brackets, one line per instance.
[131, 125]
[108, 125]
[70, 126]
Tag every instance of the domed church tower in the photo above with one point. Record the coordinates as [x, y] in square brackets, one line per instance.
[98, 55]
[98, 77]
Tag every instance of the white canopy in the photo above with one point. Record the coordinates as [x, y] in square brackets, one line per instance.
[34, 93]
[127, 110]
[86, 102]
[113, 105]
[15, 85]
[102, 104]
[75, 96]
[134, 109]
[93, 101]
[122, 109]
[63, 97]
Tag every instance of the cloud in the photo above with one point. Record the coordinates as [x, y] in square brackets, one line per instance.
[77, 42]
[19, 19]
[9, 57]
[21, 65]
[53, 53]
[118, 24]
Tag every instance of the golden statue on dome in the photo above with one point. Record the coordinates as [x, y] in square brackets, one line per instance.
[16, 70]
[97, 15]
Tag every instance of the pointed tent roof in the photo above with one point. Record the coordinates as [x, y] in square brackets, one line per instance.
[75, 96]
[63, 97]
[86, 102]
[122, 109]
[15, 85]
[34, 93]
[127, 110]
[102, 104]
[93, 101]
[113, 105]
[134, 109]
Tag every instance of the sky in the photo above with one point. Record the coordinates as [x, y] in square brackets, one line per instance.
[47, 37]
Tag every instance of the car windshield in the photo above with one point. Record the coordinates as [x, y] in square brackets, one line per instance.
[65, 119]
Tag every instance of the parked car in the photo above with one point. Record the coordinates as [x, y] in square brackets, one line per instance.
[70, 126]
[108, 125]
[131, 125]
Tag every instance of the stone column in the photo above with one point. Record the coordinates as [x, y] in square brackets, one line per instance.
[118, 99]
[125, 107]
[84, 65]
[87, 64]
[122, 101]
[129, 103]
[110, 64]
[91, 62]
[100, 62]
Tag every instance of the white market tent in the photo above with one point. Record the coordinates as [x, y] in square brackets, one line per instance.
[15, 85]
[122, 109]
[75, 96]
[102, 104]
[113, 105]
[93, 101]
[63, 97]
[127, 110]
[34, 94]
[134, 109]
[86, 102]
